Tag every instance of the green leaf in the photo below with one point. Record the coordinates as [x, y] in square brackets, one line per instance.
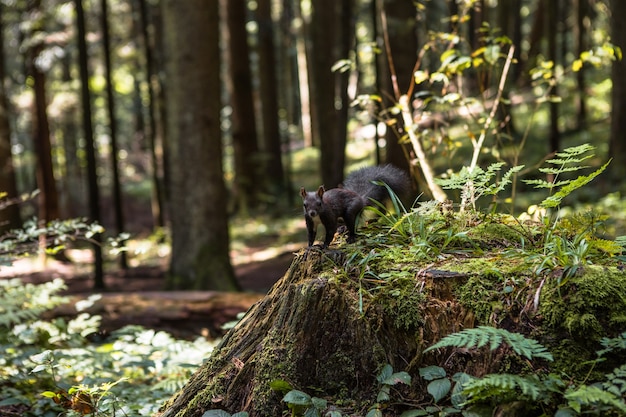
[432, 372]
[374, 412]
[384, 373]
[383, 394]
[439, 388]
[241, 414]
[398, 378]
[280, 385]
[297, 398]
[312, 412]
[565, 412]
[49, 394]
[319, 403]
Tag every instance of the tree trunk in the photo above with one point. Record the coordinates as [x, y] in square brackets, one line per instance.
[249, 180]
[580, 35]
[268, 92]
[551, 22]
[115, 172]
[617, 144]
[48, 198]
[396, 70]
[90, 151]
[328, 17]
[200, 241]
[9, 215]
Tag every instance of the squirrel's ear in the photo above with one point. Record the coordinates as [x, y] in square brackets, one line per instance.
[302, 192]
[320, 191]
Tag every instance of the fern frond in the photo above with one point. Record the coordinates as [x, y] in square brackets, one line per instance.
[504, 385]
[555, 200]
[481, 336]
[593, 396]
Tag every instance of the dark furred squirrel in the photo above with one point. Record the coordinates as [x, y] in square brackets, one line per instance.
[327, 206]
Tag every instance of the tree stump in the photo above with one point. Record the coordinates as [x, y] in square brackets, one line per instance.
[334, 320]
[309, 332]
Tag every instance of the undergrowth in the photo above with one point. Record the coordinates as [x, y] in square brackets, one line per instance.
[60, 366]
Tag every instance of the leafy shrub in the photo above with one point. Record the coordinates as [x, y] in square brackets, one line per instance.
[52, 366]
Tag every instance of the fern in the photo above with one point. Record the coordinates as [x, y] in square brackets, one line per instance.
[592, 396]
[483, 335]
[567, 161]
[502, 386]
[478, 182]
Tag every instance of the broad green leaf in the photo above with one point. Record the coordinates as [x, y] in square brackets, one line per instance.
[319, 403]
[432, 372]
[398, 378]
[297, 398]
[384, 373]
[280, 385]
[374, 412]
[439, 388]
[312, 412]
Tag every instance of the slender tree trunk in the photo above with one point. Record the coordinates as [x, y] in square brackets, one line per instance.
[9, 215]
[156, 130]
[268, 91]
[329, 96]
[248, 177]
[73, 181]
[551, 19]
[399, 20]
[200, 241]
[580, 32]
[90, 151]
[117, 188]
[48, 198]
[617, 143]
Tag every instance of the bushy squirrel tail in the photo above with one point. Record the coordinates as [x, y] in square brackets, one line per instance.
[362, 182]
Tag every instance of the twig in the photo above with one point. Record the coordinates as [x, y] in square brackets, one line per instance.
[483, 134]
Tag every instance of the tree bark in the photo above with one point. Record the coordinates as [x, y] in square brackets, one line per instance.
[90, 151]
[200, 241]
[396, 69]
[115, 172]
[249, 179]
[268, 91]
[48, 197]
[617, 143]
[329, 19]
[9, 215]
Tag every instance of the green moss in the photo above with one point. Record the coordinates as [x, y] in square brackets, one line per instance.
[497, 233]
[403, 303]
[588, 306]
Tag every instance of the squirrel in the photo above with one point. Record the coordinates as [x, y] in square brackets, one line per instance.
[359, 190]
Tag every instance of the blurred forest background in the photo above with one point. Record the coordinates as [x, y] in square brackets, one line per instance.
[179, 119]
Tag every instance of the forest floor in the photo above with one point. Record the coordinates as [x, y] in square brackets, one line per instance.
[137, 295]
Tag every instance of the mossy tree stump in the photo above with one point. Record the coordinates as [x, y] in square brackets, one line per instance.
[328, 328]
[309, 332]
